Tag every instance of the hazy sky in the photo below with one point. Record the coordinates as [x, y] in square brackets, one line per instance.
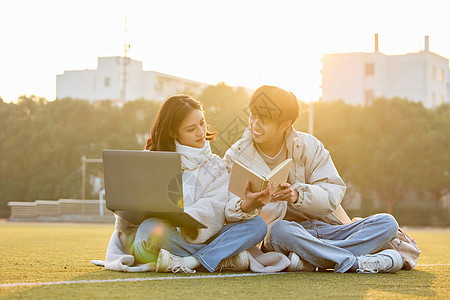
[245, 43]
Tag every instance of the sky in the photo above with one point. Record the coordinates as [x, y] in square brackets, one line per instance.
[239, 42]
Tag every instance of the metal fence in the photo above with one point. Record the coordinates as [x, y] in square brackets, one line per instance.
[63, 210]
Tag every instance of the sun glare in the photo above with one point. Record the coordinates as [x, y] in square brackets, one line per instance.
[242, 43]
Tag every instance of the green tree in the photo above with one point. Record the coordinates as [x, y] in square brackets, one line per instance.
[436, 170]
[16, 133]
[393, 145]
[43, 142]
[386, 149]
[226, 113]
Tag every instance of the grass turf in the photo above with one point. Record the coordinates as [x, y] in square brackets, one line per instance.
[49, 252]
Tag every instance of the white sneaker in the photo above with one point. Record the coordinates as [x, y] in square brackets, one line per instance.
[239, 262]
[299, 264]
[386, 261]
[167, 262]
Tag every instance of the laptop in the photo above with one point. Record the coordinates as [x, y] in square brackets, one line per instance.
[146, 184]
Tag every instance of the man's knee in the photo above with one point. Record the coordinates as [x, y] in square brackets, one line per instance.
[279, 228]
[389, 224]
[283, 230]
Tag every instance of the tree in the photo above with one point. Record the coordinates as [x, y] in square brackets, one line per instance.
[16, 133]
[388, 148]
[43, 142]
[436, 171]
[393, 140]
[226, 113]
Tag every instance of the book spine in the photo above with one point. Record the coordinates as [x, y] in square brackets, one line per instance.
[264, 185]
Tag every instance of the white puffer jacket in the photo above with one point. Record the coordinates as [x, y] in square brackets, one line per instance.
[313, 175]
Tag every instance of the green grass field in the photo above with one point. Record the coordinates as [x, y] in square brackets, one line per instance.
[55, 252]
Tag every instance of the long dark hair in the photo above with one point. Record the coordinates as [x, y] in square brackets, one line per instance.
[173, 111]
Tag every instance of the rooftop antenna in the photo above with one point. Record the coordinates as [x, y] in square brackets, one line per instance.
[126, 61]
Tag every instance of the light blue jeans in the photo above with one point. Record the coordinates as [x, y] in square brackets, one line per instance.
[332, 246]
[232, 239]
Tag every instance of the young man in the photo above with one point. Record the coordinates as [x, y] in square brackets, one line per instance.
[305, 218]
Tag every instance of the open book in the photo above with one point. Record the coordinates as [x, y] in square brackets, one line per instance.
[240, 174]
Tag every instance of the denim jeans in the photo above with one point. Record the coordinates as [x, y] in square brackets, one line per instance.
[232, 239]
[332, 246]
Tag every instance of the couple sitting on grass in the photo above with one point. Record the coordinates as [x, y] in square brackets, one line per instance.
[303, 221]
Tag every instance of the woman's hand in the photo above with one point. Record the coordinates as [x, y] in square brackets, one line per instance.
[256, 200]
[287, 193]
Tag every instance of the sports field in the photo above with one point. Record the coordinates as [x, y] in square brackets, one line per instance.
[52, 261]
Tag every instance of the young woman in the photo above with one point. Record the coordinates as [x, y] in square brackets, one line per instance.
[180, 126]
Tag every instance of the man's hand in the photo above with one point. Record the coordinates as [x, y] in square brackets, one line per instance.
[256, 200]
[287, 193]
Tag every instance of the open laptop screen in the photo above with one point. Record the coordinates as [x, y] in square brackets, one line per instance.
[142, 184]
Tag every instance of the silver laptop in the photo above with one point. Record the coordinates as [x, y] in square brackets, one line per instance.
[145, 184]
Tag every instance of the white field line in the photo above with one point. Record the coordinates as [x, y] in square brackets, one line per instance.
[4, 285]
[432, 265]
[7, 285]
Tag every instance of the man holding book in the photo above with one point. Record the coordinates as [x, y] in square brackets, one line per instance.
[304, 215]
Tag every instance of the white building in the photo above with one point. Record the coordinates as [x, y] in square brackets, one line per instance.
[358, 78]
[122, 79]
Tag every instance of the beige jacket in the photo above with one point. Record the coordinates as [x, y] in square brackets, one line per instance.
[313, 175]
[210, 198]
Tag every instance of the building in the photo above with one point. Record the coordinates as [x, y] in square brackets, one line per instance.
[358, 78]
[122, 79]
